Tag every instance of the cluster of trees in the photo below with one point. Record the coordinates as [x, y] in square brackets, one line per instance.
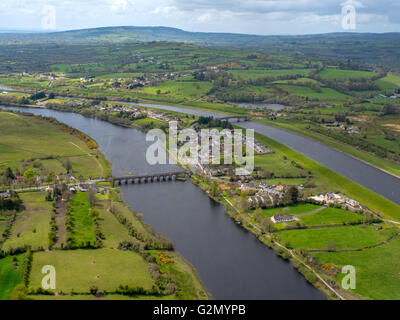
[10, 100]
[13, 203]
[38, 96]
[211, 122]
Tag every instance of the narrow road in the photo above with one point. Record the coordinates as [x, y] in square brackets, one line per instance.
[312, 212]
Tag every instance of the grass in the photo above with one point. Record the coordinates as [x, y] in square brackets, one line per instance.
[302, 91]
[255, 74]
[180, 89]
[83, 225]
[9, 277]
[292, 210]
[344, 238]
[331, 216]
[332, 74]
[377, 270]
[22, 140]
[277, 164]
[32, 225]
[114, 232]
[80, 269]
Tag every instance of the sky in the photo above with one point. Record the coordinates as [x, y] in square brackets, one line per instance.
[266, 17]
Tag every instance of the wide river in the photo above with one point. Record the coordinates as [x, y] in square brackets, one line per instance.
[230, 261]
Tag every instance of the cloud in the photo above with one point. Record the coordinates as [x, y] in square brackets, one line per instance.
[244, 16]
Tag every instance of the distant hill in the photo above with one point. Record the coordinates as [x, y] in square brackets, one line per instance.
[370, 48]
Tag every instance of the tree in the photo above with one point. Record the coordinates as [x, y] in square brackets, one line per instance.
[258, 216]
[293, 194]
[91, 197]
[67, 165]
[9, 174]
[214, 188]
[267, 225]
[29, 174]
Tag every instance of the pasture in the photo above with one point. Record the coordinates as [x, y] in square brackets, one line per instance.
[32, 225]
[79, 270]
[342, 238]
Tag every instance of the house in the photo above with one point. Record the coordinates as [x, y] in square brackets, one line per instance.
[264, 184]
[353, 205]
[283, 219]
[248, 187]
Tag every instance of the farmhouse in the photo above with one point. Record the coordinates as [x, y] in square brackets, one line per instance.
[283, 219]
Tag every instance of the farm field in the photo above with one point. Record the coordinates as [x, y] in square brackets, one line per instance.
[10, 276]
[292, 210]
[79, 270]
[82, 222]
[254, 74]
[331, 216]
[345, 74]
[377, 269]
[22, 148]
[301, 91]
[343, 238]
[32, 225]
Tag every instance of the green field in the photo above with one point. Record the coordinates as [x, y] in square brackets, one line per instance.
[32, 225]
[83, 225]
[254, 74]
[292, 210]
[277, 164]
[22, 142]
[10, 276]
[302, 91]
[377, 275]
[344, 238]
[78, 270]
[345, 74]
[180, 89]
[331, 216]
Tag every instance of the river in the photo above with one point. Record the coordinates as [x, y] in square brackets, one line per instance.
[230, 261]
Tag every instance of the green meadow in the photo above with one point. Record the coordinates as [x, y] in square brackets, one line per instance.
[10, 276]
[341, 238]
[32, 225]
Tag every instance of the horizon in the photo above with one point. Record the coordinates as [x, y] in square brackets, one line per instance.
[38, 31]
[261, 17]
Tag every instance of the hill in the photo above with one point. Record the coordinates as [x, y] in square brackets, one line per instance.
[378, 49]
